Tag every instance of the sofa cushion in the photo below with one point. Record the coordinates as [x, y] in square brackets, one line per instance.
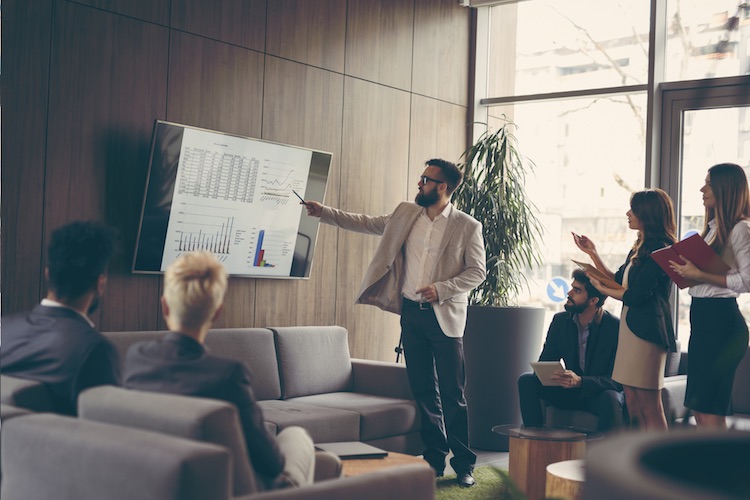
[325, 425]
[49, 456]
[313, 360]
[201, 419]
[256, 348]
[380, 416]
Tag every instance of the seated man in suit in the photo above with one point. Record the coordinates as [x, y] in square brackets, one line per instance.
[585, 337]
[56, 343]
[194, 287]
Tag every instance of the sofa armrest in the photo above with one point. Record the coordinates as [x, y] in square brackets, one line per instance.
[673, 398]
[28, 394]
[381, 378]
[415, 482]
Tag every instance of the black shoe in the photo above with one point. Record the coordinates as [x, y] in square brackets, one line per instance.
[439, 473]
[465, 479]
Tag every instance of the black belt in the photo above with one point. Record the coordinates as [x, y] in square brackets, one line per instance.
[422, 306]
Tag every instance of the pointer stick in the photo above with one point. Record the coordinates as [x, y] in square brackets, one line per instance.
[300, 198]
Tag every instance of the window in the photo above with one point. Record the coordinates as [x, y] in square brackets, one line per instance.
[576, 77]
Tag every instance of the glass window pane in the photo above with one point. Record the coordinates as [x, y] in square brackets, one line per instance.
[541, 46]
[707, 39]
[709, 136]
[589, 156]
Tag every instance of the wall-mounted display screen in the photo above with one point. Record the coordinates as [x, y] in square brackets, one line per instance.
[233, 196]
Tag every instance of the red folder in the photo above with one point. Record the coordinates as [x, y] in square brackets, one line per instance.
[694, 249]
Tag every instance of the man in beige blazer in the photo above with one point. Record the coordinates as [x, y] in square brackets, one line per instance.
[429, 257]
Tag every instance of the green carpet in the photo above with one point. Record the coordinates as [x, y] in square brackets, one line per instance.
[491, 484]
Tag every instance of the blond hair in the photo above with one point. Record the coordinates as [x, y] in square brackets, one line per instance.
[194, 287]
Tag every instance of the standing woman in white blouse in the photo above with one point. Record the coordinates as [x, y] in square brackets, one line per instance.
[718, 332]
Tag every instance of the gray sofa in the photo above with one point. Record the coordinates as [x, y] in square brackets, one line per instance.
[304, 376]
[52, 456]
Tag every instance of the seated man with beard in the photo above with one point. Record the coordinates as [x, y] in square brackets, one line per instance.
[585, 338]
[56, 343]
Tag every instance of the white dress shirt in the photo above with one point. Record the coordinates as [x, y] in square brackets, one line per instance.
[52, 303]
[737, 256]
[422, 247]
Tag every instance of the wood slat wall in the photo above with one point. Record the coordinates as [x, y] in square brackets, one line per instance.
[359, 78]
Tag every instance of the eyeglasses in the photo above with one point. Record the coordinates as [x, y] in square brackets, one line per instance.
[426, 179]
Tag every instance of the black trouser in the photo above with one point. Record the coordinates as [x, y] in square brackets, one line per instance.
[607, 405]
[435, 365]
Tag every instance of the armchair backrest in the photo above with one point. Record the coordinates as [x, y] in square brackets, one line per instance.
[53, 456]
[200, 419]
[22, 393]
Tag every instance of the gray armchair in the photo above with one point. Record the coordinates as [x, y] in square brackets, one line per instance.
[53, 456]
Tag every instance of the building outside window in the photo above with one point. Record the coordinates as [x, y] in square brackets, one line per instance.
[575, 76]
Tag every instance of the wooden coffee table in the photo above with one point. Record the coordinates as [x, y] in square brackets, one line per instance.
[355, 467]
[532, 449]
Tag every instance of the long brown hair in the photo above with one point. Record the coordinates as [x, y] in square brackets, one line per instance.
[729, 185]
[655, 211]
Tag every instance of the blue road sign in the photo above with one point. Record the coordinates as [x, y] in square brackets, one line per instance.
[557, 289]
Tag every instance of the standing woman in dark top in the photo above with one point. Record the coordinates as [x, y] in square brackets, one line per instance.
[718, 332]
[646, 334]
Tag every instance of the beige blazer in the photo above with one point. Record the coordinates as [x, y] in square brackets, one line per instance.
[460, 265]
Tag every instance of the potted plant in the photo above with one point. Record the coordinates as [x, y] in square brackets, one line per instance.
[501, 339]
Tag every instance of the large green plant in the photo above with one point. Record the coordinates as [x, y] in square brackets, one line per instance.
[493, 193]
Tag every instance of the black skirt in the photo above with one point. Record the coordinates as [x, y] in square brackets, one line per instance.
[718, 342]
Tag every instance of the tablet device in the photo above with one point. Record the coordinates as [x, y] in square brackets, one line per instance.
[545, 369]
[352, 449]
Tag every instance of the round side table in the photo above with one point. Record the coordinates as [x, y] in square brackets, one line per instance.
[565, 479]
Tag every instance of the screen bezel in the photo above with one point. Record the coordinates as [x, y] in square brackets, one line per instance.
[159, 188]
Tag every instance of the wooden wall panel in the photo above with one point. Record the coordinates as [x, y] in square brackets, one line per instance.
[79, 148]
[438, 130]
[215, 85]
[24, 113]
[155, 11]
[441, 50]
[308, 32]
[219, 87]
[238, 22]
[102, 104]
[303, 106]
[374, 159]
[379, 36]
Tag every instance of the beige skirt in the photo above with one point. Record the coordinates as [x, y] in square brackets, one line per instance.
[638, 363]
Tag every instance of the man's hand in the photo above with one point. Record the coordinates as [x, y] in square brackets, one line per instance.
[429, 293]
[314, 209]
[567, 379]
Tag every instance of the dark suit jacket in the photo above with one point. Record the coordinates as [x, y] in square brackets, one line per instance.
[58, 347]
[178, 364]
[562, 342]
[647, 298]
